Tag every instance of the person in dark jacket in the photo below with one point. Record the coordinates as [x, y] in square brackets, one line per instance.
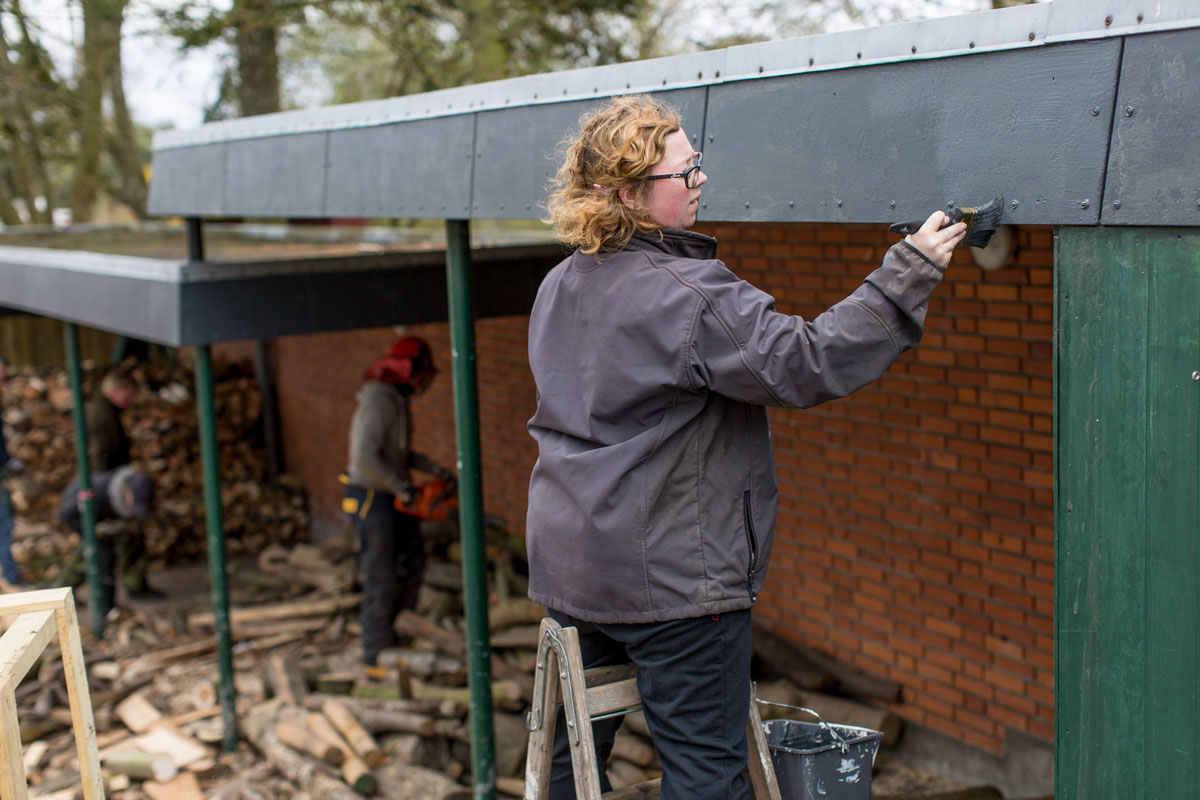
[378, 482]
[120, 494]
[108, 441]
[121, 543]
[652, 502]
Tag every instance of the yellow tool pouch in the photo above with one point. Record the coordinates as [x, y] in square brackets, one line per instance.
[357, 500]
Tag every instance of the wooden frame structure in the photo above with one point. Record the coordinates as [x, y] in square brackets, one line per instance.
[43, 613]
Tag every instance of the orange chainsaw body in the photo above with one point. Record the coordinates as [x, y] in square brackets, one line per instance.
[435, 500]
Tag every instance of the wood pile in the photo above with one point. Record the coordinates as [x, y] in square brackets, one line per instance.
[165, 442]
[310, 718]
[312, 722]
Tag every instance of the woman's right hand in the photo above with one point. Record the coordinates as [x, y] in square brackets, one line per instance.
[937, 245]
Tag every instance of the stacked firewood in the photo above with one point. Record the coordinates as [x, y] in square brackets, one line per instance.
[312, 720]
[162, 424]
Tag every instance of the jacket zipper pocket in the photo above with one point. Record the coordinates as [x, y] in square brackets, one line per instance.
[752, 542]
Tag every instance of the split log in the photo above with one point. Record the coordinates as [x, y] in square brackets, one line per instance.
[306, 772]
[183, 787]
[161, 658]
[502, 692]
[526, 637]
[138, 713]
[854, 681]
[203, 695]
[141, 765]
[357, 774]
[424, 663]
[277, 611]
[513, 787]
[443, 575]
[305, 740]
[363, 743]
[632, 748]
[354, 770]
[165, 738]
[258, 630]
[788, 660]
[399, 781]
[35, 753]
[408, 748]
[320, 725]
[409, 623]
[974, 793]
[452, 729]
[636, 722]
[429, 706]
[511, 742]
[515, 611]
[395, 722]
[306, 565]
[286, 680]
[340, 683]
[106, 670]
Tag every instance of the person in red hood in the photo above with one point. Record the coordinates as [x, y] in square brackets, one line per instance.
[378, 482]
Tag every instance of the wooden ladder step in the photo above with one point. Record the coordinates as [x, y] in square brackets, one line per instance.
[619, 696]
[639, 791]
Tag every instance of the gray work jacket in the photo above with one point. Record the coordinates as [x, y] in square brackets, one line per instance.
[654, 494]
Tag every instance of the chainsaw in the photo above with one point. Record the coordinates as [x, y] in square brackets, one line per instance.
[435, 500]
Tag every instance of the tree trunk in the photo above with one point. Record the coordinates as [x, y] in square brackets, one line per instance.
[89, 91]
[40, 70]
[131, 180]
[258, 61]
[8, 214]
[21, 130]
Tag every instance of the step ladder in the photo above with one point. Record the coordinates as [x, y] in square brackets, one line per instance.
[594, 694]
[42, 614]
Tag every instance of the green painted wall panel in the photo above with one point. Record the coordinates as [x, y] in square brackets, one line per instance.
[1172, 550]
[1127, 479]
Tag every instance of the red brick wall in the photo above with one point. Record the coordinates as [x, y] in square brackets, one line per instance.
[316, 379]
[915, 533]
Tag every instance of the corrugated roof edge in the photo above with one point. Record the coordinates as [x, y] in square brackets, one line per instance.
[1003, 29]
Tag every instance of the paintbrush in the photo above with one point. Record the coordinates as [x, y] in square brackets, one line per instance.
[981, 222]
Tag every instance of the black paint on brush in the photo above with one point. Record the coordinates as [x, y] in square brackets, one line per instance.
[981, 222]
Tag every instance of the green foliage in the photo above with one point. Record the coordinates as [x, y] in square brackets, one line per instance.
[365, 49]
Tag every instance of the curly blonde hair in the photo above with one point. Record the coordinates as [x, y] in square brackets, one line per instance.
[614, 149]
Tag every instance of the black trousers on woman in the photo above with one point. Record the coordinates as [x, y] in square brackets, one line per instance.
[694, 678]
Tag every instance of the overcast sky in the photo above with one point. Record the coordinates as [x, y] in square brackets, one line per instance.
[169, 88]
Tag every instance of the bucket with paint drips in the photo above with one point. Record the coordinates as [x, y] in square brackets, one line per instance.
[819, 760]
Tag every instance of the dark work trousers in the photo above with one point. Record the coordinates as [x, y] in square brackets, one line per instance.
[120, 550]
[694, 678]
[391, 557]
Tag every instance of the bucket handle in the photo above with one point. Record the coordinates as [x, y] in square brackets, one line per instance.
[837, 737]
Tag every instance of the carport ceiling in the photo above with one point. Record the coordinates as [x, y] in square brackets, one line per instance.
[179, 303]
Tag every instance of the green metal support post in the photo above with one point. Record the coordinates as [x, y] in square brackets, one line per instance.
[217, 574]
[216, 541]
[470, 510]
[87, 512]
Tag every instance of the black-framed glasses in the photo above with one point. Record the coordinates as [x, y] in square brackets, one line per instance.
[691, 175]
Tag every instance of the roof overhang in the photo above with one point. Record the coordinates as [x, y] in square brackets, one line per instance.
[179, 303]
[1080, 112]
